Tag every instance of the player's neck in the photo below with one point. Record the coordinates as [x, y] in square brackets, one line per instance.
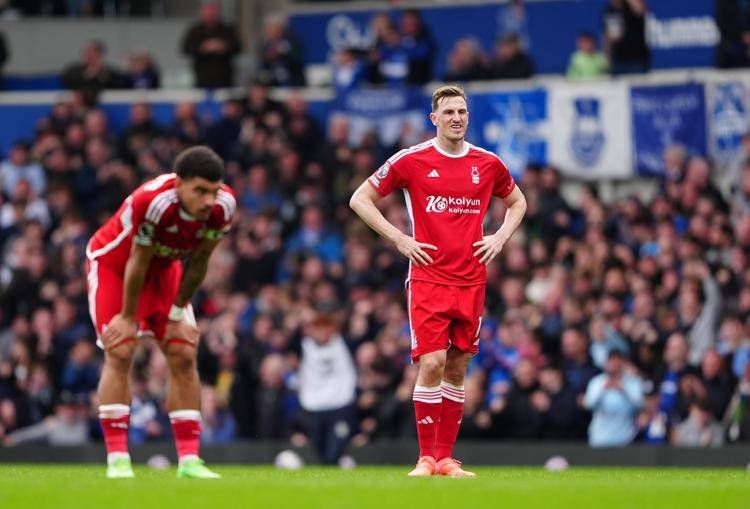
[452, 147]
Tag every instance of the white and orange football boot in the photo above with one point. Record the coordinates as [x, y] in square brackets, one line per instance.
[451, 468]
[425, 467]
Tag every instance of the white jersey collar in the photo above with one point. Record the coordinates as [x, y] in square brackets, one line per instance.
[448, 154]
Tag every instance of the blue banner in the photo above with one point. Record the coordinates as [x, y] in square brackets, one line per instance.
[511, 124]
[387, 111]
[663, 116]
[680, 34]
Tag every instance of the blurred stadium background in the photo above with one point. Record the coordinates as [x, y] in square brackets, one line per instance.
[621, 120]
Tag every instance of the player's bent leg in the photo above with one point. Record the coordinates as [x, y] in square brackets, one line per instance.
[183, 403]
[114, 408]
[451, 413]
[427, 402]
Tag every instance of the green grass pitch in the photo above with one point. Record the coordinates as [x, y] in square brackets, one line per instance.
[78, 487]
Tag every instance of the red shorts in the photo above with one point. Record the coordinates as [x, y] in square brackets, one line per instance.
[156, 298]
[443, 316]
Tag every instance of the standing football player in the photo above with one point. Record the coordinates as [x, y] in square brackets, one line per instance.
[448, 184]
[138, 288]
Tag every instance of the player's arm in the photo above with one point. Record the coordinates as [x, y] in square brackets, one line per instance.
[491, 245]
[123, 326]
[363, 203]
[195, 271]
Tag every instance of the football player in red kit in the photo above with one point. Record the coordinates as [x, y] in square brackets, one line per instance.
[138, 288]
[448, 184]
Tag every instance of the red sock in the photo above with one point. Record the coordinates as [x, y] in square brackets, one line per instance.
[186, 428]
[427, 412]
[115, 421]
[451, 413]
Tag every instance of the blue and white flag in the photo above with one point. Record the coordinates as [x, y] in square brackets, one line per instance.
[728, 119]
[511, 124]
[664, 116]
[590, 130]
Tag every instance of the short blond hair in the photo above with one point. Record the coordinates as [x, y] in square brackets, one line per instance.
[446, 91]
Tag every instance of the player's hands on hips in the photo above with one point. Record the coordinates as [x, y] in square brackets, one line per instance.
[414, 251]
[118, 330]
[489, 247]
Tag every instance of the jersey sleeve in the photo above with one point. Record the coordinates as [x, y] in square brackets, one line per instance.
[145, 221]
[504, 183]
[390, 176]
[221, 219]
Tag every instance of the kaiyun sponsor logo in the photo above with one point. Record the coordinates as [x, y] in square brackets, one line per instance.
[453, 204]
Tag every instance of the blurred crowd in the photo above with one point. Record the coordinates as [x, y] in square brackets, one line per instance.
[607, 322]
[398, 48]
[610, 322]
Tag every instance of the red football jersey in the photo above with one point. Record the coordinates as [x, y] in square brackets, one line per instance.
[152, 215]
[447, 197]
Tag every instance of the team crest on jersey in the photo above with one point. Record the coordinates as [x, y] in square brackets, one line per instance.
[383, 171]
[587, 140]
[475, 175]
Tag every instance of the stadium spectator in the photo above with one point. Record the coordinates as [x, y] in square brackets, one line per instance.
[578, 370]
[222, 135]
[275, 401]
[625, 36]
[652, 422]
[587, 62]
[733, 21]
[281, 55]
[20, 166]
[212, 44]
[674, 369]
[700, 429]
[142, 72]
[92, 73]
[557, 403]
[139, 134]
[261, 108]
[734, 344]
[512, 20]
[699, 319]
[520, 414]
[466, 61]
[350, 70]
[327, 383]
[390, 57]
[738, 413]
[509, 60]
[717, 383]
[417, 41]
[218, 424]
[68, 426]
[147, 419]
[80, 374]
[187, 128]
[614, 398]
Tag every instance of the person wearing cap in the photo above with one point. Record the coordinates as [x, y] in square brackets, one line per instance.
[614, 398]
